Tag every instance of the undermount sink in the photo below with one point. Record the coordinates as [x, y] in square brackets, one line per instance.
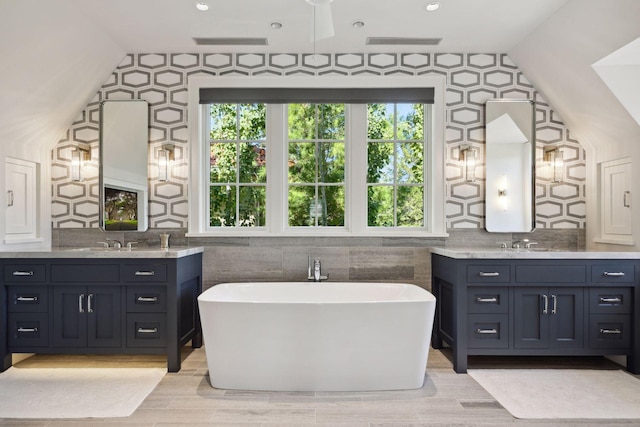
[100, 249]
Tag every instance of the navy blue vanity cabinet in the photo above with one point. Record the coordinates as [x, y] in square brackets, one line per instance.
[537, 307]
[100, 306]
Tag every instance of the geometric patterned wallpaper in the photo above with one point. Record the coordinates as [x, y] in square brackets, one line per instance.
[472, 79]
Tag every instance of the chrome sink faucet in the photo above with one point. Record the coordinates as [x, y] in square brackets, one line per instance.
[527, 244]
[117, 244]
[314, 270]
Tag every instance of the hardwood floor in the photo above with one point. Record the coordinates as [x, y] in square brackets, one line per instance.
[185, 398]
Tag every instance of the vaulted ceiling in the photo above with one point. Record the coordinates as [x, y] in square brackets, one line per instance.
[56, 54]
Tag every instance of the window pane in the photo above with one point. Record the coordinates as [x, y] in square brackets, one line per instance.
[252, 206]
[302, 162]
[410, 121]
[302, 121]
[380, 121]
[380, 211]
[252, 121]
[331, 162]
[253, 165]
[380, 162]
[223, 162]
[331, 121]
[330, 207]
[410, 206]
[410, 164]
[222, 206]
[302, 207]
[223, 122]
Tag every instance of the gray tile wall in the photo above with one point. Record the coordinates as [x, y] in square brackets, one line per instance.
[373, 259]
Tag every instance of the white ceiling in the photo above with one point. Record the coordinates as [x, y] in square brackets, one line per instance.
[170, 25]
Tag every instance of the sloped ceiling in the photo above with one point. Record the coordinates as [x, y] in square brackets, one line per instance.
[557, 58]
[53, 62]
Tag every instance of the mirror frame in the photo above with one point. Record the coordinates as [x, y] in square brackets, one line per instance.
[510, 161]
[129, 125]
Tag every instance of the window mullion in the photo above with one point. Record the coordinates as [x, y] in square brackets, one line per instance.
[356, 197]
[277, 169]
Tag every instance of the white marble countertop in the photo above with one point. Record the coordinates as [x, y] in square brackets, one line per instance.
[497, 253]
[95, 252]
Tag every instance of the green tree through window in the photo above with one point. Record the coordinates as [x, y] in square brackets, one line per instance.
[238, 174]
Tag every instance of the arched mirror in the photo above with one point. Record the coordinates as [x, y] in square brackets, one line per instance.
[510, 165]
[124, 142]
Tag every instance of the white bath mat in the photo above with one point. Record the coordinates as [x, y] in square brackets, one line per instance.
[75, 392]
[562, 393]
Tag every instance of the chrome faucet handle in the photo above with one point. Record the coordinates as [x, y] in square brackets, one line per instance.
[529, 244]
[130, 245]
[105, 245]
[503, 245]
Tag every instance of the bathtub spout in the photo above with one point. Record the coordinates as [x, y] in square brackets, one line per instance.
[315, 273]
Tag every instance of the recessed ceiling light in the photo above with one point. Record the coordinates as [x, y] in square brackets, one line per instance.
[276, 25]
[433, 6]
[358, 24]
[202, 6]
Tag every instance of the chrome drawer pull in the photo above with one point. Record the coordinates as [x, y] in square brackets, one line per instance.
[554, 310]
[611, 299]
[89, 303]
[488, 274]
[486, 331]
[545, 301]
[23, 273]
[147, 299]
[147, 330]
[610, 331]
[145, 273]
[81, 303]
[613, 274]
[27, 329]
[29, 299]
[492, 299]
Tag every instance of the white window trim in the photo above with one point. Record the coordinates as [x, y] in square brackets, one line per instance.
[435, 225]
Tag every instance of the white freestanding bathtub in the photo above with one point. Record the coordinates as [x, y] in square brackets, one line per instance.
[316, 336]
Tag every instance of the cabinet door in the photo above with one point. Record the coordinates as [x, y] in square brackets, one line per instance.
[566, 318]
[21, 181]
[616, 198]
[87, 316]
[69, 316]
[104, 316]
[531, 324]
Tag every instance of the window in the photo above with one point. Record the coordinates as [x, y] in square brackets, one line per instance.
[238, 175]
[288, 166]
[395, 165]
[316, 164]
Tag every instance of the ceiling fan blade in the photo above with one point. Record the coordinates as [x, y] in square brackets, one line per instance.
[321, 21]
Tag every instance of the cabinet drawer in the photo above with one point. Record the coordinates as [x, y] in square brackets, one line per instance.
[27, 299]
[144, 273]
[28, 330]
[488, 331]
[24, 273]
[488, 273]
[551, 274]
[493, 299]
[610, 331]
[612, 273]
[146, 299]
[146, 330]
[85, 273]
[610, 300]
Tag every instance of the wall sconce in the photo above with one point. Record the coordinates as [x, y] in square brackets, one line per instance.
[502, 193]
[554, 163]
[165, 156]
[468, 156]
[79, 155]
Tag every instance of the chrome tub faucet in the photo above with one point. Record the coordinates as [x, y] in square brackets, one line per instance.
[314, 270]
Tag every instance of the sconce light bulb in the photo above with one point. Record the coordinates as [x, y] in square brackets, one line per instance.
[76, 165]
[163, 165]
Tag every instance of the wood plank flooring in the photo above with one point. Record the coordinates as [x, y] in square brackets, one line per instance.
[448, 399]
